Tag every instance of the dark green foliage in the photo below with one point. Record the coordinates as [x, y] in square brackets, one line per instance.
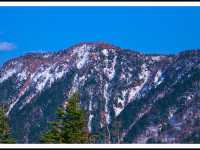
[8, 89]
[70, 126]
[5, 134]
[194, 138]
[153, 141]
[116, 131]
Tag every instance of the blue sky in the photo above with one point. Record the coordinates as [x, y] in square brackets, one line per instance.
[146, 29]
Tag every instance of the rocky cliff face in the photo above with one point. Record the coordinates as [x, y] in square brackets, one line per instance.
[129, 97]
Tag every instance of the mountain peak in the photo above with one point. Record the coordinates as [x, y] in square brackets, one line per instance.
[97, 44]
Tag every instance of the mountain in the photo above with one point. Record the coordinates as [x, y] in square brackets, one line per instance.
[130, 97]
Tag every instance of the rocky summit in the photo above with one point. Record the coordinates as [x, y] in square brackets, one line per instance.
[129, 97]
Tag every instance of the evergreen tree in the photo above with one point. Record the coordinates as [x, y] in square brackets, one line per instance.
[71, 124]
[5, 134]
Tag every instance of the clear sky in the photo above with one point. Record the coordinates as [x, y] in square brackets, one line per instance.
[146, 29]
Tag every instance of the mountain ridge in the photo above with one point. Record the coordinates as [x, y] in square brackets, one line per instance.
[113, 83]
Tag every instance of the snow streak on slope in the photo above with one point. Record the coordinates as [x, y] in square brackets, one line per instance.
[22, 76]
[27, 101]
[106, 96]
[144, 76]
[60, 73]
[90, 122]
[90, 117]
[40, 78]
[48, 75]
[21, 93]
[158, 78]
[110, 71]
[74, 87]
[82, 53]
[8, 74]
[143, 111]
[77, 82]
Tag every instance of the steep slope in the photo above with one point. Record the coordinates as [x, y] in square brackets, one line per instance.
[170, 112]
[116, 85]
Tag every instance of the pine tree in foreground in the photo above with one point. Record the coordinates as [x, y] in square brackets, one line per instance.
[71, 124]
[5, 134]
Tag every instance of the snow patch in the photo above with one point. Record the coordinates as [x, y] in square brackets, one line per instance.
[189, 98]
[110, 71]
[82, 53]
[106, 96]
[60, 74]
[23, 75]
[133, 92]
[119, 109]
[90, 105]
[47, 75]
[41, 78]
[144, 75]
[105, 52]
[158, 78]
[81, 63]
[47, 55]
[11, 106]
[82, 79]
[122, 76]
[90, 122]
[124, 92]
[7, 74]
[15, 101]
[74, 85]
[158, 75]
[121, 102]
[78, 81]
[156, 58]
[90, 116]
